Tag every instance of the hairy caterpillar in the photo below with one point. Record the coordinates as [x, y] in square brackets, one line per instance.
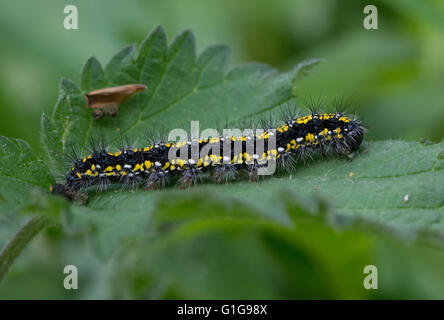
[153, 166]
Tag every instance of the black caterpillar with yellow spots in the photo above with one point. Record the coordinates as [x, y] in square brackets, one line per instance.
[153, 166]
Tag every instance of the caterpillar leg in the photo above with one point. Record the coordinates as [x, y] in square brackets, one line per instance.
[253, 173]
[287, 161]
[131, 181]
[157, 179]
[223, 173]
[189, 176]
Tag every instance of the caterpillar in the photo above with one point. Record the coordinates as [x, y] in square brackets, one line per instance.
[223, 157]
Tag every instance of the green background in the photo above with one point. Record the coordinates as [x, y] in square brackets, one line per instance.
[393, 78]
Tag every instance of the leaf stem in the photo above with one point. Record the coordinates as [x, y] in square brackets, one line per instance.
[19, 242]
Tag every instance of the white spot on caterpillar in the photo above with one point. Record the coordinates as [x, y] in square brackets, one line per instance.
[127, 166]
[280, 149]
[255, 156]
[157, 164]
[299, 139]
[226, 159]
[191, 161]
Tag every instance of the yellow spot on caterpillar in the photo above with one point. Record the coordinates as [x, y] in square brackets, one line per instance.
[148, 164]
[109, 169]
[181, 162]
[118, 167]
[344, 119]
[324, 132]
[288, 147]
[214, 159]
[309, 137]
[93, 167]
[166, 166]
[79, 175]
[115, 154]
[303, 120]
[173, 168]
[84, 160]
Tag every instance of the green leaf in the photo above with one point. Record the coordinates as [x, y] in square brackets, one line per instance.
[92, 75]
[180, 87]
[394, 183]
[237, 258]
[21, 171]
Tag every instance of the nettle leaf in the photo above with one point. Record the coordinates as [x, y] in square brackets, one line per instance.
[395, 183]
[21, 171]
[235, 258]
[181, 88]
